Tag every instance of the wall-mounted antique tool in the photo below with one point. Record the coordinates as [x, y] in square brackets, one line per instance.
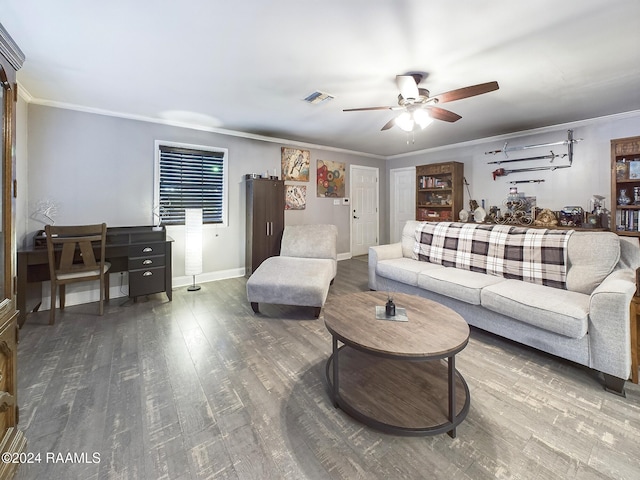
[506, 149]
[550, 157]
[501, 172]
[515, 182]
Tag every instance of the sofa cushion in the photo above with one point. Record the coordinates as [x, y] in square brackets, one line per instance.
[456, 283]
[559, 311]
[629, 253]
[409, 239]
[591, 256]
[403, 270]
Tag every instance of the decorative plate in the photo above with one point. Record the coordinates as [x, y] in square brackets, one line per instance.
[479, 215]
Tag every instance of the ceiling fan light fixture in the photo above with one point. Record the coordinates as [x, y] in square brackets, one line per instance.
[405, 122]
[422, 118]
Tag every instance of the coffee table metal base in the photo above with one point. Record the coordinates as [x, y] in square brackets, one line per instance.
[397, 395]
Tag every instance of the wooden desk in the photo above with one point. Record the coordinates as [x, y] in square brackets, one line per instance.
[143, 252]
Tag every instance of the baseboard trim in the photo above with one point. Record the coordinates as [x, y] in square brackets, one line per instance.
[185, 281]
[88, 293]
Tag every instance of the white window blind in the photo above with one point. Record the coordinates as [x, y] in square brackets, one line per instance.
[191, 178]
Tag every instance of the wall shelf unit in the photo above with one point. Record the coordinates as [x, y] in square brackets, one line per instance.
[439, 191]
[625, 175]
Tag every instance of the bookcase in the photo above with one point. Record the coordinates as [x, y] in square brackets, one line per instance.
[625, 186]
[439, 191]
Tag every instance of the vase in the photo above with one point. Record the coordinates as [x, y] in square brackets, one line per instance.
[623, 199]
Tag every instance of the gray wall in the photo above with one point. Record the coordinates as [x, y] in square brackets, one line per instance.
[589, 174]
[101, 168]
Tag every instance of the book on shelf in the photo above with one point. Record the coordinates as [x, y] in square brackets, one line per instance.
[433, 182]
[628, 220]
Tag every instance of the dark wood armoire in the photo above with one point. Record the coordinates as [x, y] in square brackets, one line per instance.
[265, 220]
[12, 440]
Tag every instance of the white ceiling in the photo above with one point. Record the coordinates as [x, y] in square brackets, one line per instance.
[246, 65]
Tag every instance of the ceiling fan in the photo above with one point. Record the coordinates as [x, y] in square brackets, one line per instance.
[419, 109]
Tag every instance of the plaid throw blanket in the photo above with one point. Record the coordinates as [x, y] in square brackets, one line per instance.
[527, 254]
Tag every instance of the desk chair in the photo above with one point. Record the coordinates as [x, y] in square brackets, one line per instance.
[72, 259]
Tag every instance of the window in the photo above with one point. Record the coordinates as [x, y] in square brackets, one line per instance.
[190, 176]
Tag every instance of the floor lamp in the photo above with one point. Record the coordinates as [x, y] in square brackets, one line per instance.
[193, 245]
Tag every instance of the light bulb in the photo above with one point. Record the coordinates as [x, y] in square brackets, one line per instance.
[422, 118]
[405, 121]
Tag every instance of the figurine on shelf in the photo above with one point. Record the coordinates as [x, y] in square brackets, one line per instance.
[517, 209]
[596, 218]
[546, 218]
[623, 198]
[571, 216]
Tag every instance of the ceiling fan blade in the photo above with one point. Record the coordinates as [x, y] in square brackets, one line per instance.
[408, 86]
[466, 92]
[367, 108]
[388, 125]
[442, 114]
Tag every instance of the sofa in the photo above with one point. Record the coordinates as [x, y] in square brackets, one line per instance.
[580, 314]
[302, 273]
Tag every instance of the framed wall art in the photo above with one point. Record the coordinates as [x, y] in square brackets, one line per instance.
[295, 197]
[331, 179]
[295, 164]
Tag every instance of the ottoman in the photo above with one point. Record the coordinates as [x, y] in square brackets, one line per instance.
[291, 281]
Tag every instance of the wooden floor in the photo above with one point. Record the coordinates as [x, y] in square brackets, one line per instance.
[202, 388]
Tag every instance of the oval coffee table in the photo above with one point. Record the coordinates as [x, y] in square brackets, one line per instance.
[392, 375]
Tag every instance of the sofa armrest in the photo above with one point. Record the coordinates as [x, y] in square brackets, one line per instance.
[609, 330]
[378, 253]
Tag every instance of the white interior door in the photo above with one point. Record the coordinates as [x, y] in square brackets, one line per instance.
[364, 209]
[403, 199]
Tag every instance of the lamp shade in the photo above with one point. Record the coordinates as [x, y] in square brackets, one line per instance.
[193, 241]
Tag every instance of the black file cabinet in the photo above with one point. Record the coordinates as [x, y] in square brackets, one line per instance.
[148, 259]
[147, 268]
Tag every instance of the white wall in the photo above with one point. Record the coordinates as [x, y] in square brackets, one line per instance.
[100, 168]
[589, 174]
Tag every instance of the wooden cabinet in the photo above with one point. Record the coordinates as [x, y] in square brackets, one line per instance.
[12, 440]
[439, 191]
[265, 220]
[625, 182]
[148, 259]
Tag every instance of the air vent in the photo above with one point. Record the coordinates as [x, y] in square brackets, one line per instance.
[318, 97]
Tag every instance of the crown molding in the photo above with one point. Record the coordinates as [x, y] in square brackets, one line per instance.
[263, 138]
[24, 93]
[10, 50]
[205, 128]
[522, 133]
